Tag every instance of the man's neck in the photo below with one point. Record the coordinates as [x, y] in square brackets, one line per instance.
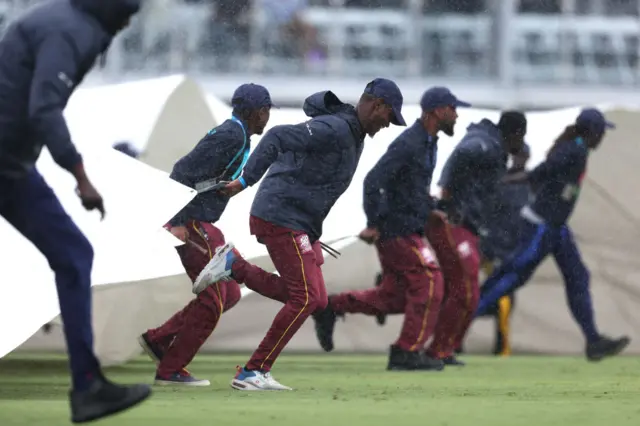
[430, 126]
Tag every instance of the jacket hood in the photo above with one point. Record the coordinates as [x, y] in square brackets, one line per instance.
[112, 14]
[323, 103]
[486, 127]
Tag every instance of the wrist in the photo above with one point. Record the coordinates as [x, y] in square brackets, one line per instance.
[242, 182]
[79, 173]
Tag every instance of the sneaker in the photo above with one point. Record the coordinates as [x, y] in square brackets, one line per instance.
[218, 268]
[183, 378]
[104, 398]
[154, 351]
[255, 380]
[401, 360]
[325, 323]
[453, 361]
[605, 346]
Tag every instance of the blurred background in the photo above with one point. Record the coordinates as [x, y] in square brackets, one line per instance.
[531, 54]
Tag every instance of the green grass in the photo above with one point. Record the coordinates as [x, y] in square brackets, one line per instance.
[338, 390]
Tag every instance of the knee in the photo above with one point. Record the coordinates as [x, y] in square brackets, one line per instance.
[77, 255]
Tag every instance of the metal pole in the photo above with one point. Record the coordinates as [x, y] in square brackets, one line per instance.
[505, 15]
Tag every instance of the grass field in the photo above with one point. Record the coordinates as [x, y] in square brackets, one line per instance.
[351, 390]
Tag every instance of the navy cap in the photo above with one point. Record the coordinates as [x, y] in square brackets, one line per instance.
[390, 93]
[594, 121]
[251, 96]
[438, 96]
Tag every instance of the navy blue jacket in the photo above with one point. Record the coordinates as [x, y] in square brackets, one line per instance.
[44, 55]
[219, 156]
[506, 226]
[556, 182]
[472, 174]
[397, 198]
[310, 165]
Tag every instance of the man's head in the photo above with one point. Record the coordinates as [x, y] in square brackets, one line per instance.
[252, 104]
[513, 126]
[439, 106]
[380, 105]
[592, 125]
[520, 158]
[113, 15]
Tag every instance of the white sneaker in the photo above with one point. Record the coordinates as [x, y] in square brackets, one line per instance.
[218, 268]
[245, 380]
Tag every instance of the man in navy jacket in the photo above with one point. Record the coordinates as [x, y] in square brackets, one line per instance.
[44, 55]
[219, 156]
[310, 165]
[398, 205]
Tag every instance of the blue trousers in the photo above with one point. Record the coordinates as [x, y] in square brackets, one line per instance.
[538, 241]
[32, 207]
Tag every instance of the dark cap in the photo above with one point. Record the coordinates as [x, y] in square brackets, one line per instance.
[512, 122]
[390, 93]
[593, 120]
[251, 96]
[437, 97]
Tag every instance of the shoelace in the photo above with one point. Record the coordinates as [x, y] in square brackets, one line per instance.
[333, 252]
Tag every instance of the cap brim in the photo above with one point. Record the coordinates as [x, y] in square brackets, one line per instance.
[461, 104]
[398, 119]
[609, 125]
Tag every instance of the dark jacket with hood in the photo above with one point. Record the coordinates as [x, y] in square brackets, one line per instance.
[310, 165]
[472, 174]
[44, 55]
[397, 198]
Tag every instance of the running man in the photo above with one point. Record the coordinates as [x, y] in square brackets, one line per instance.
[556, 184]
[470, 195]
[44, 56]
[398, 204]
[219, 156]
[310, 165]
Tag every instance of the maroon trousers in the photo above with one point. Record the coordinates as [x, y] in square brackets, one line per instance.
[184, 333]
[458, 254]
[300, 285]
[411, 284]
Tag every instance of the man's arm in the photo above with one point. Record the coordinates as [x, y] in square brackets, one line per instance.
[312, 135]
[377, 182]
[54, 78]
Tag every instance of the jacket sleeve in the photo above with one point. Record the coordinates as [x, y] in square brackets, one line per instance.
[312, 135]
[54, 78]
[378, 180]
[557, 163]
[457, 169]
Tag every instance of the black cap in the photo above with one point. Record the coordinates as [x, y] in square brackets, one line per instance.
[251, 96]
[390, 93]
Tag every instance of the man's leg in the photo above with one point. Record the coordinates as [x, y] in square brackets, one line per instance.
[457, 252]
[188, 329]
[297, 262]
[31, 206]
[576, 280]
[410, 285]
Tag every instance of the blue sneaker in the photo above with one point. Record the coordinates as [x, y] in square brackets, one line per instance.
[183, 378]
[218, 268]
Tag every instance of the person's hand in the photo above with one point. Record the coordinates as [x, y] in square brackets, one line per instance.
[437, 218]
[89, 196]
[369, 235]
[180, 232]
[232, 188]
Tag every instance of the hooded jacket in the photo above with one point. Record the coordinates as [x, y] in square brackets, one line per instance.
[310, 165]
[472, 174]
[44, 55]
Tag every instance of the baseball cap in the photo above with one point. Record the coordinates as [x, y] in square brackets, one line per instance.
[251, 96]
[593, 120]
[390, 93]
[439, 96]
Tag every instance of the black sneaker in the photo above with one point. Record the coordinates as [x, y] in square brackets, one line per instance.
[104, 398]
[325, 323]
[381, 319]
[154, 351]
[453, 361]
[401, 360]
[605, 347]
